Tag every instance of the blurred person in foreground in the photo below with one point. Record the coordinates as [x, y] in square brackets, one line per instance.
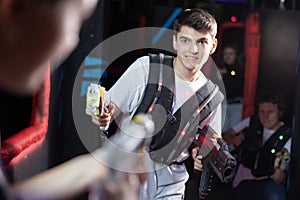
[34, 33]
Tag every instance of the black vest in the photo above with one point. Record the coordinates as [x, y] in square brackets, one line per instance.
[173, 133]
[258, 157]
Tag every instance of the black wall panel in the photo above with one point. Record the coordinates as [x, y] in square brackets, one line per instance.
[62, 135]
[278, 54]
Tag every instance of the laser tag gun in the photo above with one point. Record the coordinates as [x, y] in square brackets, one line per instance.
[95, 98]
[216, 160]
[284, 160]
[124, 151]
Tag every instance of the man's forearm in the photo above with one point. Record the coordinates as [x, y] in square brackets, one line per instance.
[228, 136]
[65, 181]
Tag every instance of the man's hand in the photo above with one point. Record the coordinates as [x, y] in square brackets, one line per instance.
[105, 118]
[197, 159]
[238, 139]
[127, 186]
[279, 174]
[231, 137]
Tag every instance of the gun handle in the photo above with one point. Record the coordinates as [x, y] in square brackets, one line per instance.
[205, 180]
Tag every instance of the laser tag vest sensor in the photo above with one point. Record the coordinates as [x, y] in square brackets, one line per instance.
[174, 132]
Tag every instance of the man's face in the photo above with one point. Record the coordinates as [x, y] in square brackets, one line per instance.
[269, 114]
[193, 47]
[229, 55]
[40, 32]
[67, 20]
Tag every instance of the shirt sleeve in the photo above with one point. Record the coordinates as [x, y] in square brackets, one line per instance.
[288, 145]
[128, 91]
[241, 125]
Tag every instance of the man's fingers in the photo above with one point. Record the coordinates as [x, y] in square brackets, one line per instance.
[101, 120]
[111, 108]
[194, 152]
[95, 120]
[198, 166]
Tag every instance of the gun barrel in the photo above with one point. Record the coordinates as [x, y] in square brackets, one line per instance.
[215, 150]
[228, 170]
[223, 164]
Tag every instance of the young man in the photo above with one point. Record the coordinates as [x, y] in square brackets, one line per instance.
[260, 139]
[194, 41]
[33, 33]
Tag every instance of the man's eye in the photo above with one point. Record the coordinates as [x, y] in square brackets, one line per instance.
[185, 41]
[201, 42]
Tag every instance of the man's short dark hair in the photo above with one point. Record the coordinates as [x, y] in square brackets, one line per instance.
[274, 98]
[198, 19]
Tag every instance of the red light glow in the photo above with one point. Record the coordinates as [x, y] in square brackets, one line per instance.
[233, 19]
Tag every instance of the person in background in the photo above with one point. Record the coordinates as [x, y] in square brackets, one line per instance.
[263, 145]
[34, 33]
[232, 72]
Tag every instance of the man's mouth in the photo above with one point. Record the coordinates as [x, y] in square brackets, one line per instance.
[191, 58]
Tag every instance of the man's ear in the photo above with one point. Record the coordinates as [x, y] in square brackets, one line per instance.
[214, 46]
[174, 42]
[280, 113]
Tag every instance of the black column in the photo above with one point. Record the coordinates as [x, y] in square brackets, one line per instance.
[294, 193]
[64, 142]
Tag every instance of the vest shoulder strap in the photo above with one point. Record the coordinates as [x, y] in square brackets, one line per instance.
[256, 125]
[215, 95]
[161, 73]
[204, 101]
[279, 138]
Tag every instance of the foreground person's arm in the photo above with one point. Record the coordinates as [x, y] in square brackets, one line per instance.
[65, 181]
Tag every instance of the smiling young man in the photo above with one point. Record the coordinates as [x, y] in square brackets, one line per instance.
[194, 41]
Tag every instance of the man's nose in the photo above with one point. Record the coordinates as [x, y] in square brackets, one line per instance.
[194, 48]
[266, 115]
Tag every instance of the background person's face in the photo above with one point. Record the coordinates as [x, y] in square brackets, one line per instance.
[229, 55]
[269, 114]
